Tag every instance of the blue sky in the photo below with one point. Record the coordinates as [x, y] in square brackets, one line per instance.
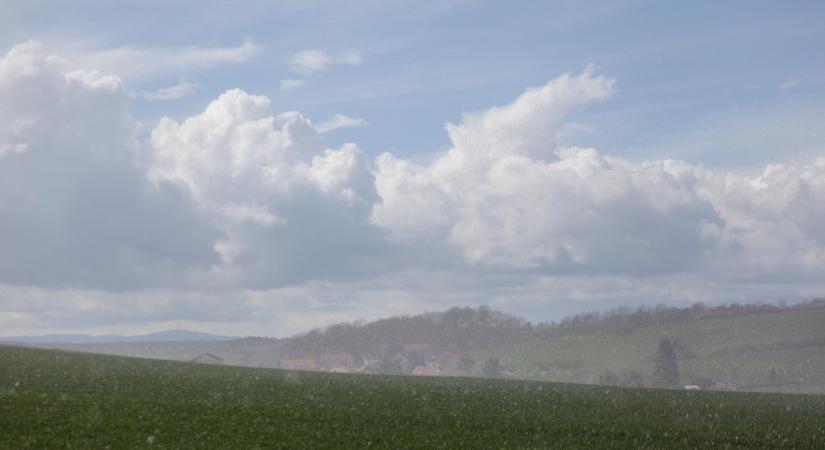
[679, 66]
[599, 154]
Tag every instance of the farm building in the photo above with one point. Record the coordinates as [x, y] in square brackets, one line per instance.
[448, 360]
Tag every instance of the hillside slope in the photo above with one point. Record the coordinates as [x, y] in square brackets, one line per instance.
[740, 350]
[53, 399]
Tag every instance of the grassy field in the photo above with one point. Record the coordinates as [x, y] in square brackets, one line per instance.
[747, 339]
[52, 399]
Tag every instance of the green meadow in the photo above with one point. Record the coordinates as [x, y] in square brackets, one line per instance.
[54, 399]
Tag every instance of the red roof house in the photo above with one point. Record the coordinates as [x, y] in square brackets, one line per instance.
[337, 362]
[448, 360]
[416, 347]
[299, 364]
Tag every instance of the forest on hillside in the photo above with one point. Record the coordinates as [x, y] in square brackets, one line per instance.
[464, 329]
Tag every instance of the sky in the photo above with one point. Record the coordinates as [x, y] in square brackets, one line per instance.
[264, 168]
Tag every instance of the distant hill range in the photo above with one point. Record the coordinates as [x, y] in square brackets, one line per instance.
[161, 336]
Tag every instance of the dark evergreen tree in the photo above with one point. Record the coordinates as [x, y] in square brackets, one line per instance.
[466, 363]
[394, 364]
[491, 368]
[666, 372]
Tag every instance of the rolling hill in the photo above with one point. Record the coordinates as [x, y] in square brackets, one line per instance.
[740, 350]
[755, 348]
[55, 399]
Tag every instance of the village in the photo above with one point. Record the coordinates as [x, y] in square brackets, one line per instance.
[418, 359]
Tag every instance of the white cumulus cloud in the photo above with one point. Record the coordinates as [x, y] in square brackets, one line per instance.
[75, 209]
[508, 196]
[245, 203]
[291, 208]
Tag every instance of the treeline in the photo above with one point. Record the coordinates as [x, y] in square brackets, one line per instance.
[454, 330]
[624, 320]
[463, 329]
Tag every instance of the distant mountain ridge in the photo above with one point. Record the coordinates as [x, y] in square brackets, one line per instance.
[160, 336]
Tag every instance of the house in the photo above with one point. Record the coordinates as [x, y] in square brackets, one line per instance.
[371, 363]
[416, 347]
[207, 358]
[299, 364]
[448, 360]
[337, 362]
[419, 353]
[426, 371]
[692, 387]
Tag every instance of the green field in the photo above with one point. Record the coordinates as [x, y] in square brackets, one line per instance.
[747, 339]
[53, 399]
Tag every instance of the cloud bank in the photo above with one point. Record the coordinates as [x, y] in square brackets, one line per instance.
[248, 204]
[75, 206]
[290, 208]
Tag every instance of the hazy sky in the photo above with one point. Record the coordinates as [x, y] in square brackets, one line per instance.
[267, 167]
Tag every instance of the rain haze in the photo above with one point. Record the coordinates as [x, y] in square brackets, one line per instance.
[624, 193]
